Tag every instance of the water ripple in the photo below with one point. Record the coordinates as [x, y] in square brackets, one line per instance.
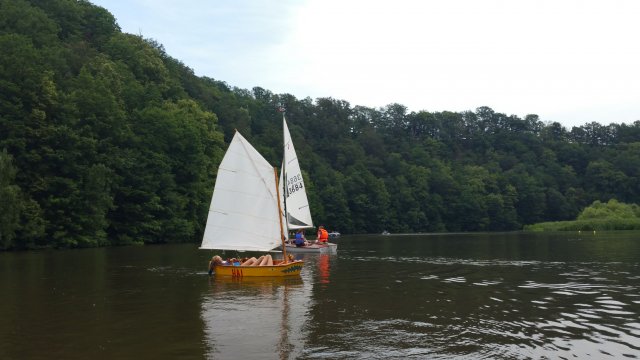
[505, 309]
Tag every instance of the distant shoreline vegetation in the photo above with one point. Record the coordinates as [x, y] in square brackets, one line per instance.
[612, 215]
[107, 140]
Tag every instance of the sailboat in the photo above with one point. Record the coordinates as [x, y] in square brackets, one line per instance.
[294, 199]
[245, 213]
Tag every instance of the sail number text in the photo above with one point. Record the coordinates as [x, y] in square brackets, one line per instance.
[294, 184]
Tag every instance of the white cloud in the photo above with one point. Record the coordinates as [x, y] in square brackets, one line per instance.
[572, 61]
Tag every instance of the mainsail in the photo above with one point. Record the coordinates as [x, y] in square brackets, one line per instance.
[294, 194]
[244, 211]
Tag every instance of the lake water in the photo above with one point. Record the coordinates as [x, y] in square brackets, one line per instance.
[454, 296]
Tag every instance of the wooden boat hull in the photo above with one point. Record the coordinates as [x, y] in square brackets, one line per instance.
[329, 248]
[258, 281]
[288, 269]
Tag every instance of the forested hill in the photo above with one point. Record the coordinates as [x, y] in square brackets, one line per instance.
[107, 140]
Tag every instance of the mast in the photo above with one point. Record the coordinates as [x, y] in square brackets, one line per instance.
[284, 246]
[284, 174]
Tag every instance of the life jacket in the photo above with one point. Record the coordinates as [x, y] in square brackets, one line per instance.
[323, 235]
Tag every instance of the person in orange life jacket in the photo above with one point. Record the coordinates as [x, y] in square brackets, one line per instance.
[300, 241]
[323, 235]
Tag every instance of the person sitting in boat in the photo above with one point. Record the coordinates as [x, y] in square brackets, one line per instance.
[250, 262]
[216, 260]
[300, 241]
[267, 261]
[323, 235]
[264, 260]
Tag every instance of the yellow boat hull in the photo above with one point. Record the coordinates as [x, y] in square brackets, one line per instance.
[288, 269]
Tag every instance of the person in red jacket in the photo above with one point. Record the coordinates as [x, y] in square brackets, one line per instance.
[323, 235]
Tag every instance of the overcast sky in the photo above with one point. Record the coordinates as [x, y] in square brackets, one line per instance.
[571, 61]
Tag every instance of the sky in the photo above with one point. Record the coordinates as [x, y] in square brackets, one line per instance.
[568, 61]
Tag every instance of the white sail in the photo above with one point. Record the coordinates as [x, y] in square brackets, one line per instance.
[295, 195]
[244, 211]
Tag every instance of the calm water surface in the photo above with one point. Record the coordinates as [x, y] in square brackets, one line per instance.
[462, 296]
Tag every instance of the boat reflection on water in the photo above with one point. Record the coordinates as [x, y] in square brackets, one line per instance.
[262, 285]
[318, 266]
[255, 317]
[323, 268]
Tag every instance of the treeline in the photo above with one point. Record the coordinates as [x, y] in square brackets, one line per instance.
[107, 140]
[612, 215]
[101, 143]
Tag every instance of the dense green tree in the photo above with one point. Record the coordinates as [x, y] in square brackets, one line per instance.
[20, 221]
[108, 140]
[10, 202]
[19, 17]
[336, 209]
[610, 209]
[604, 180]
[368, 200]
